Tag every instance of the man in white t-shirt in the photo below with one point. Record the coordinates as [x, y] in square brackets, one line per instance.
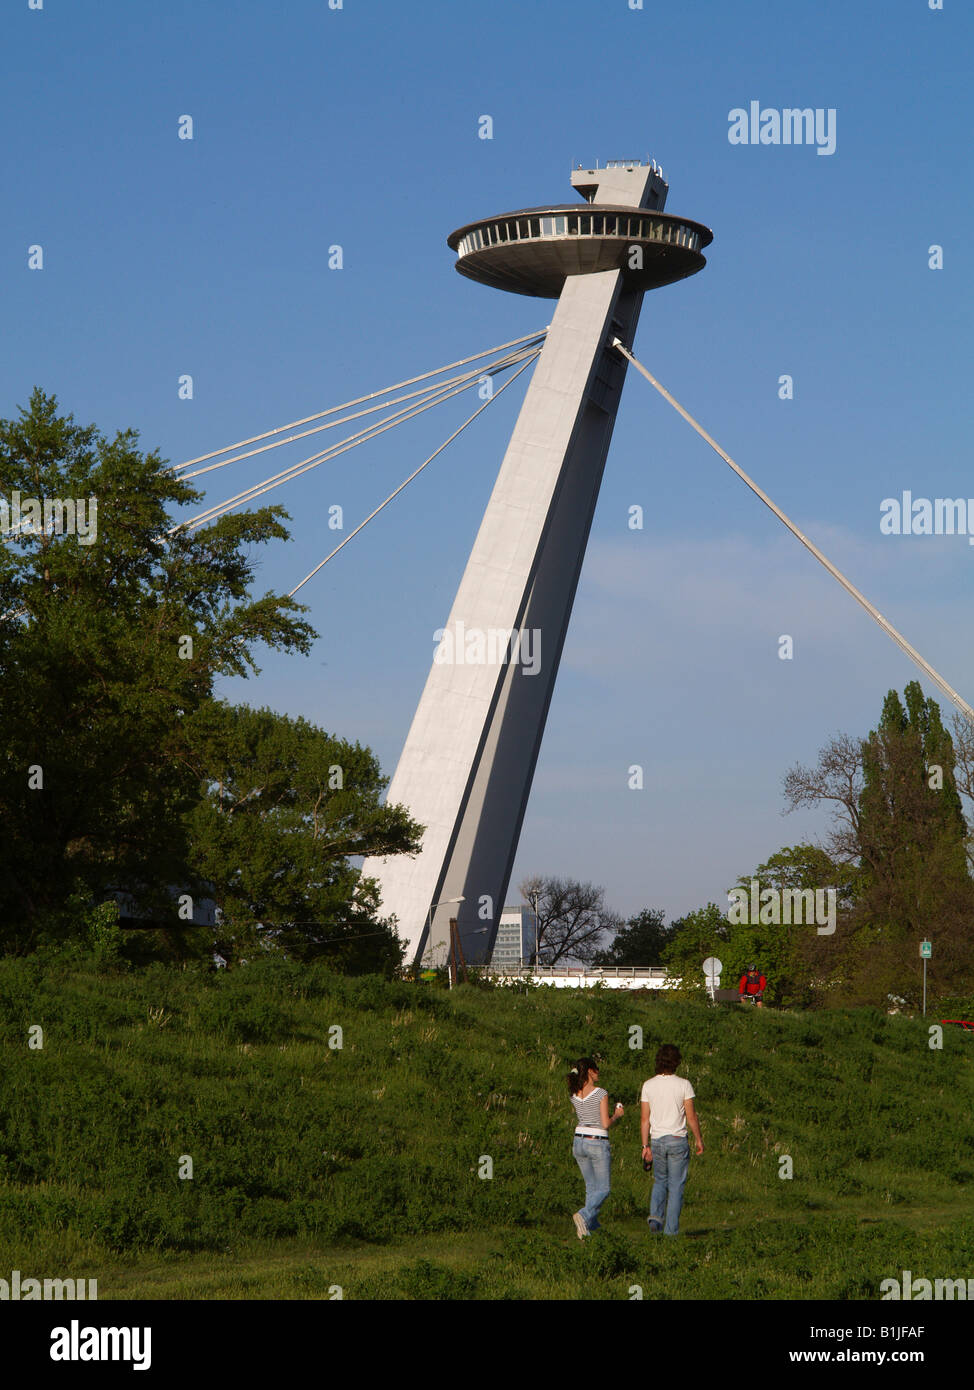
[667, 1109]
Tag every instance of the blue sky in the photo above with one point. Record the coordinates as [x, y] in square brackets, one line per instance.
[359, 127]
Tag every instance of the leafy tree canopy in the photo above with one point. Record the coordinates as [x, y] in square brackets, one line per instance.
[639, 942]
[108, 642]
[693, 938]
[284, 808]
[573, 920]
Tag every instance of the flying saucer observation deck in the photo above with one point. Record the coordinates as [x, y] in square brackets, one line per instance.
[534, 251]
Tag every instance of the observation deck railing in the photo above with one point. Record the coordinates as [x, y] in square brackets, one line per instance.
[584, 223]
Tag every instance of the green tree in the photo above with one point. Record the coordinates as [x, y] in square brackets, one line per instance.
[573, 920]
[912, 827]
[792, 956]
[639, 942]
[284, 808]
[108, 642]
[693, 938]
[914, 868]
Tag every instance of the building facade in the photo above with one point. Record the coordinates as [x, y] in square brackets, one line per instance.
[514, 945]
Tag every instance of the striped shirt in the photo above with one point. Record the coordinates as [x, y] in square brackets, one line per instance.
[589, 1110]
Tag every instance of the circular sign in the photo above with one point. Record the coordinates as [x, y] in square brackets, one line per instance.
[712, 968]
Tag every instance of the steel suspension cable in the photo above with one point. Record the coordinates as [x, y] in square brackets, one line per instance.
[438, 394]
[942, 685]
[414, 474]
[304, 465]
[411, 381]
[344, 419]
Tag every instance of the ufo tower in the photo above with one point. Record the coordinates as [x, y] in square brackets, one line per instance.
[466, 769]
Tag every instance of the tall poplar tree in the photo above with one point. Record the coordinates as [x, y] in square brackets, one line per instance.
[915, 881]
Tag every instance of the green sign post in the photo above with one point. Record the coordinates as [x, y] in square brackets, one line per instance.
[926, 951]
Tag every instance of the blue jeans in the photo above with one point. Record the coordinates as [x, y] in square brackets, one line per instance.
[671, 1164]
[594, 1157]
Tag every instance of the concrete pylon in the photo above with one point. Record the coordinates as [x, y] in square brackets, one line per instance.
[466, 769]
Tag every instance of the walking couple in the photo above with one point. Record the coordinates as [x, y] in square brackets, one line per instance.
[667, 1109]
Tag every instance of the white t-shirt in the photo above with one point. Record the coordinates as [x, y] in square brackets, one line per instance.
[665, 1095]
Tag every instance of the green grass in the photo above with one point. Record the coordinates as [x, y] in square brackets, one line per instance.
[316, 1166]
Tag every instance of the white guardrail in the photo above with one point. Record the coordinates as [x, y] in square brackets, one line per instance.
[612, 976]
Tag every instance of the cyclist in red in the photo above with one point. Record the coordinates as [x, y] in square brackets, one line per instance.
[752, 985]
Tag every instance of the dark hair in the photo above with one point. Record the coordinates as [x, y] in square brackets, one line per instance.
[578, 1075]
[667, 1058]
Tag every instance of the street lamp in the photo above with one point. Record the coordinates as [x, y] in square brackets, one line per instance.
[429, 925]
[533, 899]
[480, 931]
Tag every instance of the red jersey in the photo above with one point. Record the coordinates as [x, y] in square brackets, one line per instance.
[752, 985]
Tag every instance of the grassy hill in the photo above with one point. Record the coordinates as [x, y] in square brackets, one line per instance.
[358, 1166]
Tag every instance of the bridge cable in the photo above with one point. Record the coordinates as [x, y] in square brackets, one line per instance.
[369, 410]
[860, 598]
[436, 396]
[411, 381]
[436, 393]
[414, 474]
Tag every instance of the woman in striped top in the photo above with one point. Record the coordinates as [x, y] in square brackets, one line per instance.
[591, 1145]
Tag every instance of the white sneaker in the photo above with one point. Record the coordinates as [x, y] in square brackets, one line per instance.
[580, 1225]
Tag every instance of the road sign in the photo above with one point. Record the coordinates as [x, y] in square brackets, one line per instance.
[926, 950]
[711, 969]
